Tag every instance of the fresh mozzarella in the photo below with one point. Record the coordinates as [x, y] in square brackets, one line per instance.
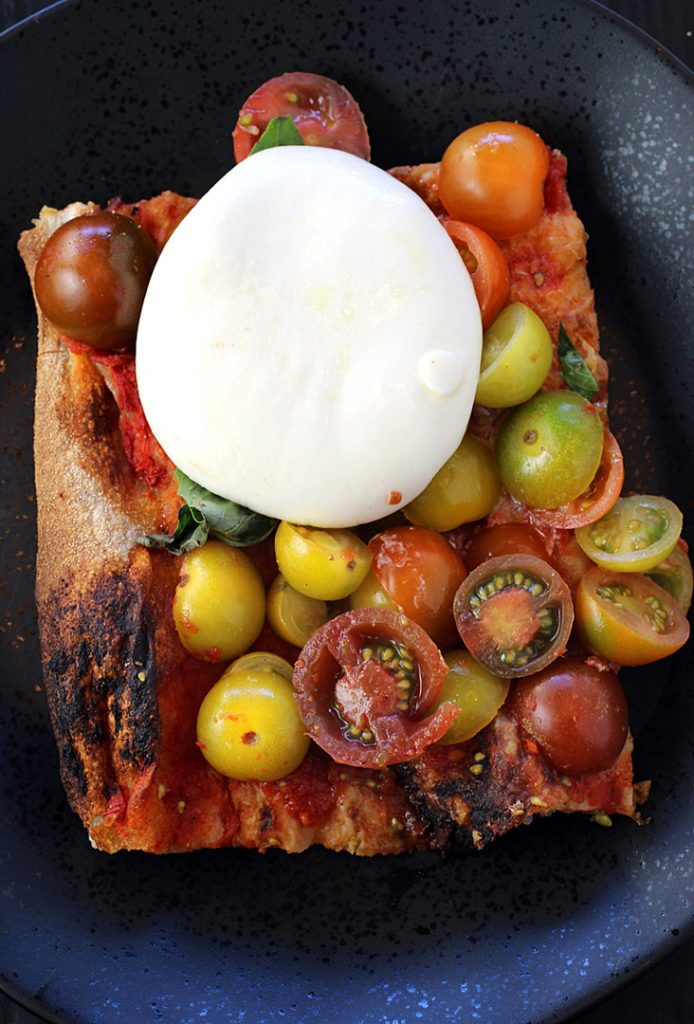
[310, 342]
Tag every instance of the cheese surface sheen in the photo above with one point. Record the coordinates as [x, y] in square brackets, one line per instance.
[309, 345]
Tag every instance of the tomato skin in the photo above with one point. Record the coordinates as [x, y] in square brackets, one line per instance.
[491, 277]
[477, 692]
[492, 175]
[516, 358]
[420, 572]
[91, 278]
[576, 713]
[514, 614]
[503, 539]
[627, 618]
[323, 111]
[635, 535]
[332, 671]
[465, 489]
[600, 496]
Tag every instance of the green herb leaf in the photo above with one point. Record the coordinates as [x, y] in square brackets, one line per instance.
[191, 532]
[234, 524]
[576, 374]
[280, 131]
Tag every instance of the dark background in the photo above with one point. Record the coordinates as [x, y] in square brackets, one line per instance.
[665, 993]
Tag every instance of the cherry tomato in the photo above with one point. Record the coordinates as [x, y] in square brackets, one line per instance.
[598, 498]
[465, 489]
[516, 357]
[248, 725]
[294, 616]
[514, 614]
[91, 278]
[576, 713]
[323, 111]
[627, 618]
[420, 573]
[325, 564]
[674, 574]
[549, 449]
[478, 693]
[493, 175]
[366, 684]
[219, 603]
[486, 264]
[635, 535]
[503, 539]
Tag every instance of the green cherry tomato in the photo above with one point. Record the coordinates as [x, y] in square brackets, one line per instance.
[465, 489]
[294, 616]
[516, 357]
[549, 449]
[219, 604]
[248, 725]
[675, 575]
[637, 534]
[477, 692]
[326, 564]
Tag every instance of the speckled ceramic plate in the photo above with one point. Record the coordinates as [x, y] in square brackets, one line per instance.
[131, 97]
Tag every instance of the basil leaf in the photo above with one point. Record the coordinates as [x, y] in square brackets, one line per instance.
[576, 374]
[234, 524]
[191, 532]
[280, 131]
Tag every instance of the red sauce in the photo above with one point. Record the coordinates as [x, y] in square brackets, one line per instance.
[308, 793]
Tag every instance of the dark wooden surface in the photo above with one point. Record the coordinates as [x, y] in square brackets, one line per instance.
[664, 994]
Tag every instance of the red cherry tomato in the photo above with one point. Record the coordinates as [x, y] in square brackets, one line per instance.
[627, 618]
[493, 175]
[323, 111]
[598, 499]
[576, 713]
[91, 278]
[420, 572]
[486, 264]
[514, 614]
[503, 539]
[365, 685]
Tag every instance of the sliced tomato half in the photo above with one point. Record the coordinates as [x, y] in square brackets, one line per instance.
[323, 111]
[486, 264]
[597, 500]
[366, 684]
[514, 614]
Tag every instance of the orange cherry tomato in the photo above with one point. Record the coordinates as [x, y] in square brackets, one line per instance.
[486, 264]
[493, 176]
[504, 539]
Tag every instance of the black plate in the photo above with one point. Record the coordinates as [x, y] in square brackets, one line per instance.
[132, 98]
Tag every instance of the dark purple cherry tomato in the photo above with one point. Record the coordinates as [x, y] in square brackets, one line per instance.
[576, 712]
[91, 278]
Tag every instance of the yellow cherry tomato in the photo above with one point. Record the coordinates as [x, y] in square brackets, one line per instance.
[516, 358]
[325, 564]
[371, 595]
[465, 489]
[248, 725]
[219, 604]
[294, 616]
[636, 535]
[477, 692]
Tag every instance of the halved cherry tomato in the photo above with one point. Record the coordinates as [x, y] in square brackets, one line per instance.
[516, 358]
[477, 692]
[675, 575]
[493, 175]
[463, 490]
[323, 111]
[514, 614]
[627, 618]
[420, 573]
[365, 685]
[576, 713]
[598, 498]
[503, 539]
[635, 535]
[486, 265]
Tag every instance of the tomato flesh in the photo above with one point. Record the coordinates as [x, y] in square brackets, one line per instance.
[514, 614]
[627, 618]
[366, 684]
[486, 264]
[323, 111]
[637, 533]
[576, 713]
